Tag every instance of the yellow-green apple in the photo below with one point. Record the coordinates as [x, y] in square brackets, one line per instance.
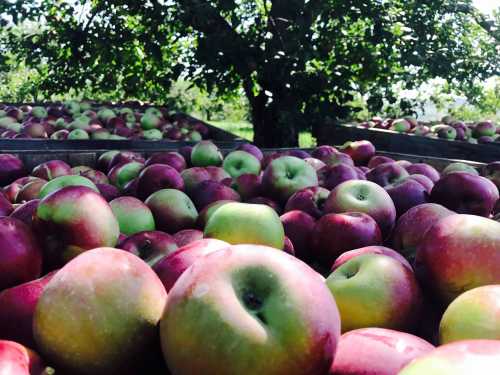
[157, 177]
[264, 312]
[474, 314]
[207, 212]
[209, 191]
[331, 176]
[25, 212]
[379, 159]
[407, 193]
[30, 191]
[20, 253]
[466, 193]
[248, 185]
[151, 246]
[63, 181]
[286, 175]
[171, 267]
[425, 169]
[133, 216]
[386, 174]
[18, 306]
[366, 197]
[459, 167]
[412, 226]
[382, 250]
[298, 226]
[237, 163]
[72, 220]
[251, 149]
[172, 210]
[309, 200]
[447, 132]
[187, 236]
[377, 351]
[174, 159]
[51, 169]
[459, 253]
[360, 151]
[99, 314]
[206, 153]
[11, 168]
[334, 234]
[458, 358]
[121, 174]
[366, 299]
[6, 207]
[240, 223]
[16, 359]
[109, 192]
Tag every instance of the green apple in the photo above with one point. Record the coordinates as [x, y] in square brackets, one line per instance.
[133, 216]
[78, 134]
[150, 121]
[240, 162]
[39, 112]
[206, 153]
[63, 181]
[153, 135]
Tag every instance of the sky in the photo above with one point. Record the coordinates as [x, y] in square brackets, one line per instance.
[486, 6]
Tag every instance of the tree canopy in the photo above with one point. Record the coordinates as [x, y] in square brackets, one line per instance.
[298, 61]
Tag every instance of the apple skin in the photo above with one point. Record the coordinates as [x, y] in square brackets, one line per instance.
[366, 197]
[458, 358]
[6, 207]
[16, 359]
[237, 163]
[309, 200]
[377, 351]
[172, 210]
[150, 246]
[360, 151]
[18, 306]
[121, 174]
[186, 236]
[286, 175]
[379, 159]
[10, 191]
[367, 300]
[425, 169]
[194, 176]
[248, 185]
[472, 316]
[333, 175]
[72, 220]
[133, 216]
[109, 192]
[298, 226]
[157, 177]
[97, 177]
[206, 153]
[104, 322]
[239, 223]
[288, 246]
[208, 192]
[227, 287]
[315, 163]
[104, 160]
[30, 191]
[459, 167]
[171, 267]
[414, 224]
[422, 180]
[323, 152]
[386, 174]
[268, 202]
[339, 158]
[465, 193]
[382, 250]
[492, 172]
[407, 193]
[63, 181]
[11, 168]
[51, 169]
[207, 212]
[459, 253]
[123, 157]
[484, 128]
[20, 253]
[173, 159]
[251, 149]
[25, 212]
[217, 174]
[334, 234]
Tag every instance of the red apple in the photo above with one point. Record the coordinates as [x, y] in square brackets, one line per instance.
[157, 177]
[333, 175]
[299, 227]
[25, 212]
[209, 191]
[386, 174]
[348, 255]
[425, 169]
[150, 246]
[173, 159]
[309, 200]
[51, 169]
[360, 151]
[16, 359]
[11, 168]
[187, 236]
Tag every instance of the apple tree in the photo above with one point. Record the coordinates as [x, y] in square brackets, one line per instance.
[298, 61]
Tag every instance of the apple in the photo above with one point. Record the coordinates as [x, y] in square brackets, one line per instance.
[323, 152]
[209, 191]
[133, 216]
[16, 359]
[247, 185]
[247, 298]
[421, 130]
[459, 167]
[104, 160]
[315, 163]
[425, 169]
[72, 220]
[30, 191]
[288, 247]
[407, 193]
[11, 168]
[217, 174]
[239, 223]
[298, 226]
[386, 174]
[492, 172]
[97, 177]
[338, 158]
[484, 128]
[401, 126]
[458, 358]
[251, 149]
[194, 176]
[360, 151]
[172, 210]
[25, 212]
[379, 159]
[63, 181]
[466, 193]
[447, 132]
[412, 226]
[51, 169]
[186, 236]
[121, 174]
[123, 157]
[286, 175]
[206, 153]
[268, 202]
[331, 176]
[157, 177]
[18, 306]
[366, 197]
[237, 163]
[207, 212]
[365, 299]
[459, 253]
[99, 314]
[109, 192]
[334, 234]
[377, 351]
[173, 159]
[309, 200]
[33, 130]
[6, 207]
[422, 180]
[60, 135]
[171, 267]
[382, 250]
[151, 246]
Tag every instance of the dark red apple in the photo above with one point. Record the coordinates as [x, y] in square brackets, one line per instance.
[51, 169]
[173, 159]
[379, 159]
[407, 193]
[387, 173]
[186, 236]
[11, 168]
[309, 200]
[157, 177]
[150, 246]
[211, 191]
[251, 149]
[25, 212]
[333, 175]
[360, 151]
[425, 169]
[109, 192]
[299, 227]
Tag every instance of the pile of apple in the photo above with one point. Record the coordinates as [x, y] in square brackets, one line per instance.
[83, 120]
[338, 261]
[473, 132]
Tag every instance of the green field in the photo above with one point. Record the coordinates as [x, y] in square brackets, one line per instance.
[244, 130]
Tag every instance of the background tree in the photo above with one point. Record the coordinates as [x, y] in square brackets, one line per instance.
[297, 61]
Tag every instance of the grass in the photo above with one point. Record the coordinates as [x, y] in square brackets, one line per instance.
[244, 130]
